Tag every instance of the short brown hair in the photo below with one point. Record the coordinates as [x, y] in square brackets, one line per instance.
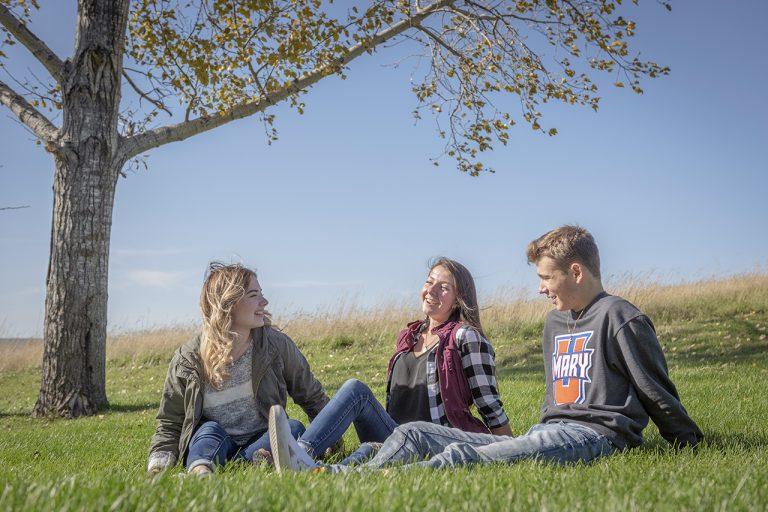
[565, 245]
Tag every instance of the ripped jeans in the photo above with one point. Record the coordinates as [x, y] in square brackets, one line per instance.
[424, 444]
[211, 445]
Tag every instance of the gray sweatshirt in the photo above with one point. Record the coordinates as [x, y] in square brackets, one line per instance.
[608, 372]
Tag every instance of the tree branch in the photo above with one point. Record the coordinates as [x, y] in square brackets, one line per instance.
[142, 142]
[38, 48]
[493, 14]
[157, 103]
[27, 114]
[439, 41]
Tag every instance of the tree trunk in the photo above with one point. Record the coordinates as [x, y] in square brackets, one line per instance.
[87, 167]
[74, 356]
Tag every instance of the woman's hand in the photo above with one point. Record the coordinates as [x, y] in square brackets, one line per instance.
[502, 431]
[336, 448]
[160, 461]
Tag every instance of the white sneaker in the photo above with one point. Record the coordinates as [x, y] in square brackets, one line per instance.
[288, 455]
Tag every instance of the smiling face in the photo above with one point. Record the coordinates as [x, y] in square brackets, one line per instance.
[438, 295]
[560, 286]
[249, 312]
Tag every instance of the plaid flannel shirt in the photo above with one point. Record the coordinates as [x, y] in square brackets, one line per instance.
[477, 360]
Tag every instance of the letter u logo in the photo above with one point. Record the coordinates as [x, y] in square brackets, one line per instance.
[571, 363]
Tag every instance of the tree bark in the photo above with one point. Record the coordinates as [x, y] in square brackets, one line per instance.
[73, 373]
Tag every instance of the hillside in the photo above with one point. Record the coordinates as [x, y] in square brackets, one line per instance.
[715, 335]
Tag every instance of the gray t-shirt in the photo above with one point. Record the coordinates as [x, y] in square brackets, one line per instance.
[606, 370]
[409, 397]
[233, 406]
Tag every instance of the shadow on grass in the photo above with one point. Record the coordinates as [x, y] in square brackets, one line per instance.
[753, 353]
[533, 366]
[22, 414]
[133, 407]
[721, 340]
[720, 441]
[728, 441]
[694, 345]
[531, 369]
[114, 408]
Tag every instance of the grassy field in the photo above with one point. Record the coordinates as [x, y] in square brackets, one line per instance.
[714, 334]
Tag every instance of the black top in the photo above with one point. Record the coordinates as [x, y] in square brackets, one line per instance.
[409, 398]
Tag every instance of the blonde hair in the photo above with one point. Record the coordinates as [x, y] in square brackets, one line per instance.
[223, 286]
[565, 245]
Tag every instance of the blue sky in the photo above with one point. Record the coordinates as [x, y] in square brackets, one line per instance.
[346, 205]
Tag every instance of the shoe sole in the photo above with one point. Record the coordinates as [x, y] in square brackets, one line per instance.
[279, 457]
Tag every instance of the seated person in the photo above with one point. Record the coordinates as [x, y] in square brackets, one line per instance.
[442, 365]
[605, 377]
[220, 385]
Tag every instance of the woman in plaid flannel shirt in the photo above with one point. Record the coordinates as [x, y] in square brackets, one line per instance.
[441, 367]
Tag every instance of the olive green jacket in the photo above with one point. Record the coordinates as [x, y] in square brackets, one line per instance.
[279, 370]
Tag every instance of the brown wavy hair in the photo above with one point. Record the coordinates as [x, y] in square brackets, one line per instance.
[466, 294]
[223, 286]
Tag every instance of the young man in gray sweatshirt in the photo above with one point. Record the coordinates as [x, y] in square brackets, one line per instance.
[605, 374]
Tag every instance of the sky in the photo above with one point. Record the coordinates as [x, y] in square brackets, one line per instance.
[346, 207]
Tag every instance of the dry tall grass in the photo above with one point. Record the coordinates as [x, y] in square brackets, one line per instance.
[501, 312]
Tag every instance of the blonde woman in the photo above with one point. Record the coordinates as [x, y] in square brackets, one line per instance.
[220, 385]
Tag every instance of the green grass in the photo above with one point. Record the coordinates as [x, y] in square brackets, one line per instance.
[718, 355]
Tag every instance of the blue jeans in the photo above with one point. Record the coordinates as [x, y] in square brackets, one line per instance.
[424, 444]
[211, 445]
[353, 403]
